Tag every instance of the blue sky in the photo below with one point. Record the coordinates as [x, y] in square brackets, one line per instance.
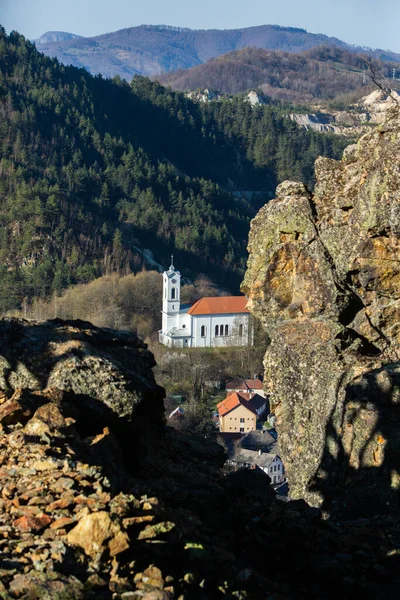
[373, 23]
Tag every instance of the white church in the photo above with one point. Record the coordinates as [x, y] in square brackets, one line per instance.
[209, 322]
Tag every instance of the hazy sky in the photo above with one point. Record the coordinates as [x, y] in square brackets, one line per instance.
[373, 23]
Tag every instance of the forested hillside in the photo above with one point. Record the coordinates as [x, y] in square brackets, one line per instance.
[93, 171]
[318, 74]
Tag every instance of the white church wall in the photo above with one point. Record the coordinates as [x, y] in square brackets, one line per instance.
[242, 334]
[210, 322]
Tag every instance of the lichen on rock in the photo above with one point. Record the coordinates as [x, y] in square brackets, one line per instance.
[324, 278]
[111, 371]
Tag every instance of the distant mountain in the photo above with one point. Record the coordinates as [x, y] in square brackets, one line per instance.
[56, 36]
[323, 73]
[154, 49]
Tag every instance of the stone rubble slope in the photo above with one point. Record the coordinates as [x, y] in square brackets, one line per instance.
[324, 277]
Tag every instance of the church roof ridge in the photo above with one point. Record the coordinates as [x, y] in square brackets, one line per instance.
[218, 305]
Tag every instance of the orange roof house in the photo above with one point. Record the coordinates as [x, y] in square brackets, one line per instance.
[238, 413]
[231, 402]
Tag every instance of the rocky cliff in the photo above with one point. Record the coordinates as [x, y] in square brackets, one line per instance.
[324, 278]
[356, 120]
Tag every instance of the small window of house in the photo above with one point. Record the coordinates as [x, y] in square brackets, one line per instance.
[221, 330]
[203, 331]
[242, 419]
[216, 330]
[226, 330]
[240, 329]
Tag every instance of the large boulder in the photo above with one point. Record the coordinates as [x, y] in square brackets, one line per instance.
[108, 373]
[324, 278]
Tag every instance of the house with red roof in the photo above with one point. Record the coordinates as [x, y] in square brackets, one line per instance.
[239, 414]
[246, 386]
[209, 322]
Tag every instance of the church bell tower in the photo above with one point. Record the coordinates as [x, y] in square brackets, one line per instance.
[171, 298]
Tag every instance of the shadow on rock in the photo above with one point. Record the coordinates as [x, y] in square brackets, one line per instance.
[359, 470]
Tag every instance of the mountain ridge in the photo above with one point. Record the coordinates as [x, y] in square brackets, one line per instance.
[153, 49]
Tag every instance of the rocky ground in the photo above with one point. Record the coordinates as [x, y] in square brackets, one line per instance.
[82, 515]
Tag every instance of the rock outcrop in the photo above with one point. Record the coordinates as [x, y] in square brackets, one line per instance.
[357, 120]
[324, 278]
[109, 371]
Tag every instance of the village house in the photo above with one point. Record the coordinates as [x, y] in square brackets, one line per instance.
[210, 322]
[260, 439]
[259, 402]
[243, 386]
[239, 414]
[271, 464]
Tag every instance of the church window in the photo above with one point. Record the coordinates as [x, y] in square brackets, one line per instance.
[173, 293]
[226, 330]
[240, 329]
[184, 326]
[203, 331]
[216, 330]
[221, 330]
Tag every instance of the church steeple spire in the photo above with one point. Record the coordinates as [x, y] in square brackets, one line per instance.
[172, 268]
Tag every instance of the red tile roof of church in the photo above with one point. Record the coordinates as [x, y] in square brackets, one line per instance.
[218, 305]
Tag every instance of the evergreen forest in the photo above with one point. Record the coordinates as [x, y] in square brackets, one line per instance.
[97, 174]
